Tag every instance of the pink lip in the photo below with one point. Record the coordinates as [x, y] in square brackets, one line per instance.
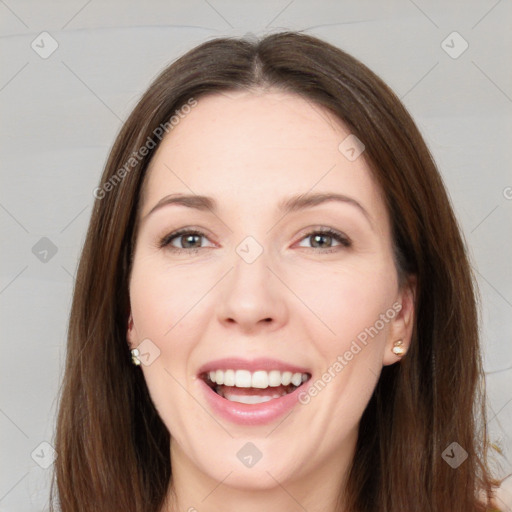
[252, 414]
[262, 363]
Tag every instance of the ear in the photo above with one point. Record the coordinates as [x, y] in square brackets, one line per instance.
[131, 333]
[401, 326]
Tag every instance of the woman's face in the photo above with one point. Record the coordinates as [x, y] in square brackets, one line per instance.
[256, 295]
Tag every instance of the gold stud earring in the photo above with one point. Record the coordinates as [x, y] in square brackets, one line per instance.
[135, 356]
[398, 348]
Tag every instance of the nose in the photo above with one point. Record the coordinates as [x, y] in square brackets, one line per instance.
[252, 297]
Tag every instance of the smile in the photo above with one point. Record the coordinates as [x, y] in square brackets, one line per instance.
[252, 392]
[257, 387]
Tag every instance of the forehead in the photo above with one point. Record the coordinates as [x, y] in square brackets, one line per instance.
[258, 147]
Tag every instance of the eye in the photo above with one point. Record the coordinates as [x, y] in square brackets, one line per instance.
[190, 240]
[322, 237]
[187, 238]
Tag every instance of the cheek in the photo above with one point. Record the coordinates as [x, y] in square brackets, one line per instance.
[355, 309]
[357, 306]
[159, 303]
[160, 300]
[347, 302]
[162, 296]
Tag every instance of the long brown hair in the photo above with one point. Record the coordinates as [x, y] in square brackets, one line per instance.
[112, 447]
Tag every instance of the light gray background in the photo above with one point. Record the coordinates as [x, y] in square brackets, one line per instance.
[60, 116]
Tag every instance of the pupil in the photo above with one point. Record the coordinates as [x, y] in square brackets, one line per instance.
[190, 237]
[316, 237]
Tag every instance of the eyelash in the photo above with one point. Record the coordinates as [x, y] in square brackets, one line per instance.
[166, 240]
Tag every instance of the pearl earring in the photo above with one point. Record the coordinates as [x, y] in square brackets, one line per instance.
[135, 356]
[398, 348]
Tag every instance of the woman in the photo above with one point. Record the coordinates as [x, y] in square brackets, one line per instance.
[274, 308]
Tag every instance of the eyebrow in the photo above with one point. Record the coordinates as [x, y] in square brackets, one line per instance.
[289, 205]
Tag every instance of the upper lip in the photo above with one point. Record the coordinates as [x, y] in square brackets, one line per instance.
[262, 363]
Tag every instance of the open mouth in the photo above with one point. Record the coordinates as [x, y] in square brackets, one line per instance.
[256, 387]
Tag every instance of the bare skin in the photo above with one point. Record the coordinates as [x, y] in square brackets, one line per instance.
[304, 299]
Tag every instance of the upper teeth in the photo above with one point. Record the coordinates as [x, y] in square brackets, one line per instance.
[258, 379]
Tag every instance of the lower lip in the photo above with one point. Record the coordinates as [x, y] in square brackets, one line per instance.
[252, 414]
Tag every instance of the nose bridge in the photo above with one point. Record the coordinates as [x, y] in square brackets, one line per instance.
[250, 278]
[251, 293]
